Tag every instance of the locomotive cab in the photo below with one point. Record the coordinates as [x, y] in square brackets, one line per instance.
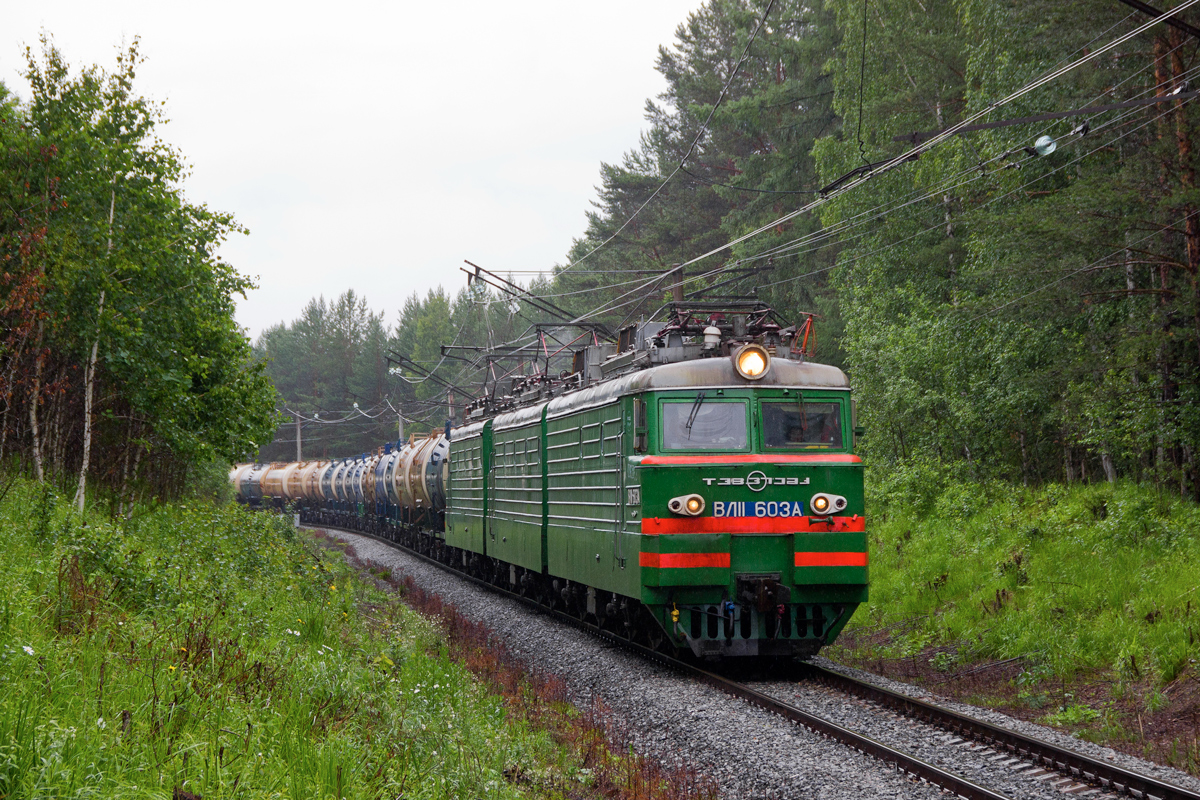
[751, 502]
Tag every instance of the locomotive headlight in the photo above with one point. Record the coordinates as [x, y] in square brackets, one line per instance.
[688, 505]
[752, 361]
[827, 503]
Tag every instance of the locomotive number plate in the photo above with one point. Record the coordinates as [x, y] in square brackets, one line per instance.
[760, 508]
[635, 495]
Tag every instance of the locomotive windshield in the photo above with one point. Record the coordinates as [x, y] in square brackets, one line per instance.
[702, 424]
[800, 424]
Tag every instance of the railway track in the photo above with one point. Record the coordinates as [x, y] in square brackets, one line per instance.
[1070, 772]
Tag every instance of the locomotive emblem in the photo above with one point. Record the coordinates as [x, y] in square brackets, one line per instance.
[756, 481]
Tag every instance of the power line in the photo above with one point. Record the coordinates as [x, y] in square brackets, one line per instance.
[939, 138]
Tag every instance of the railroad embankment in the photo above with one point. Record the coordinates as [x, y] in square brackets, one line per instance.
[1076, 606]
[200, 651]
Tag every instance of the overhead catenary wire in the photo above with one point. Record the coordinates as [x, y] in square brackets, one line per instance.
[892, 163]
[939, 225]
[909, 201]
[881, 210]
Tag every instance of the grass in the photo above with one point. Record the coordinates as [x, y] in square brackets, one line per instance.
[1082, 602]
[209, 652]
[598, 741]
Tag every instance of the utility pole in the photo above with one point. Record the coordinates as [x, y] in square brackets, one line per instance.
[298, 458]
[677, 286]
[399, 431]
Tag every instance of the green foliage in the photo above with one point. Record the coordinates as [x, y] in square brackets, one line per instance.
[110, 263]
[1073, 715]
[1005, 322]
[213, 651]
[1074, 580]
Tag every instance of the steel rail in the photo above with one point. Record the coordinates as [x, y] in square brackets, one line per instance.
[1068, 762]
[902, 761]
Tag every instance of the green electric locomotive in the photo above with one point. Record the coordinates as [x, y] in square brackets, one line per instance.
[693, 487]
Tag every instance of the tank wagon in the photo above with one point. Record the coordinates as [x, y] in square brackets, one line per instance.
[693, 487]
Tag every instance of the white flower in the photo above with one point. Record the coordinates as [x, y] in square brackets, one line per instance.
[101, 724]
[28, 649]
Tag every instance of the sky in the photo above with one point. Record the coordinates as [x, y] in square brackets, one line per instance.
[375, 146]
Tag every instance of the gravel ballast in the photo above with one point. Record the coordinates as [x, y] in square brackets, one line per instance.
[749, 752]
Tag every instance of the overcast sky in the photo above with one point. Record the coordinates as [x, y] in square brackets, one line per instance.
[374, 146]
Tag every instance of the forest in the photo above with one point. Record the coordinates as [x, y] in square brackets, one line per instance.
[1015, 301]
[120, 359]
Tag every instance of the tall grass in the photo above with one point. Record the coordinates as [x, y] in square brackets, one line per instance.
[211, 652]
[1072, 579]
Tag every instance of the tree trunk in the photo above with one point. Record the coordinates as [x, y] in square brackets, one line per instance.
[35, 398]
[89, 381]
[90, 377]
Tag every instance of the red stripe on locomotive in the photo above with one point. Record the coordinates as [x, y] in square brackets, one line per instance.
[811, 559]
[684, 560]
[655, 526]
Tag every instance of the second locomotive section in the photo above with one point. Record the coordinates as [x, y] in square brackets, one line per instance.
[686, 505]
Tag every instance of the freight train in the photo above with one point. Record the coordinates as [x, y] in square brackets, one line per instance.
[693, 488]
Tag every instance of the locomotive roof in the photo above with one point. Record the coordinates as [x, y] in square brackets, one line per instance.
[700, 373]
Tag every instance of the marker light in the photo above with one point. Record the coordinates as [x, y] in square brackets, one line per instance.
[752, 361]
[688, 505]
[827, 503]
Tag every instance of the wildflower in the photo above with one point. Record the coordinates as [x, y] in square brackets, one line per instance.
[101, 724]
[333, 587]
[183, 649]
[28, 649]
[171, 668]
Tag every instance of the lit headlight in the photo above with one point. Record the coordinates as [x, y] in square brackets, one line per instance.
[827, 503]
[752, 361]
[688, 505]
